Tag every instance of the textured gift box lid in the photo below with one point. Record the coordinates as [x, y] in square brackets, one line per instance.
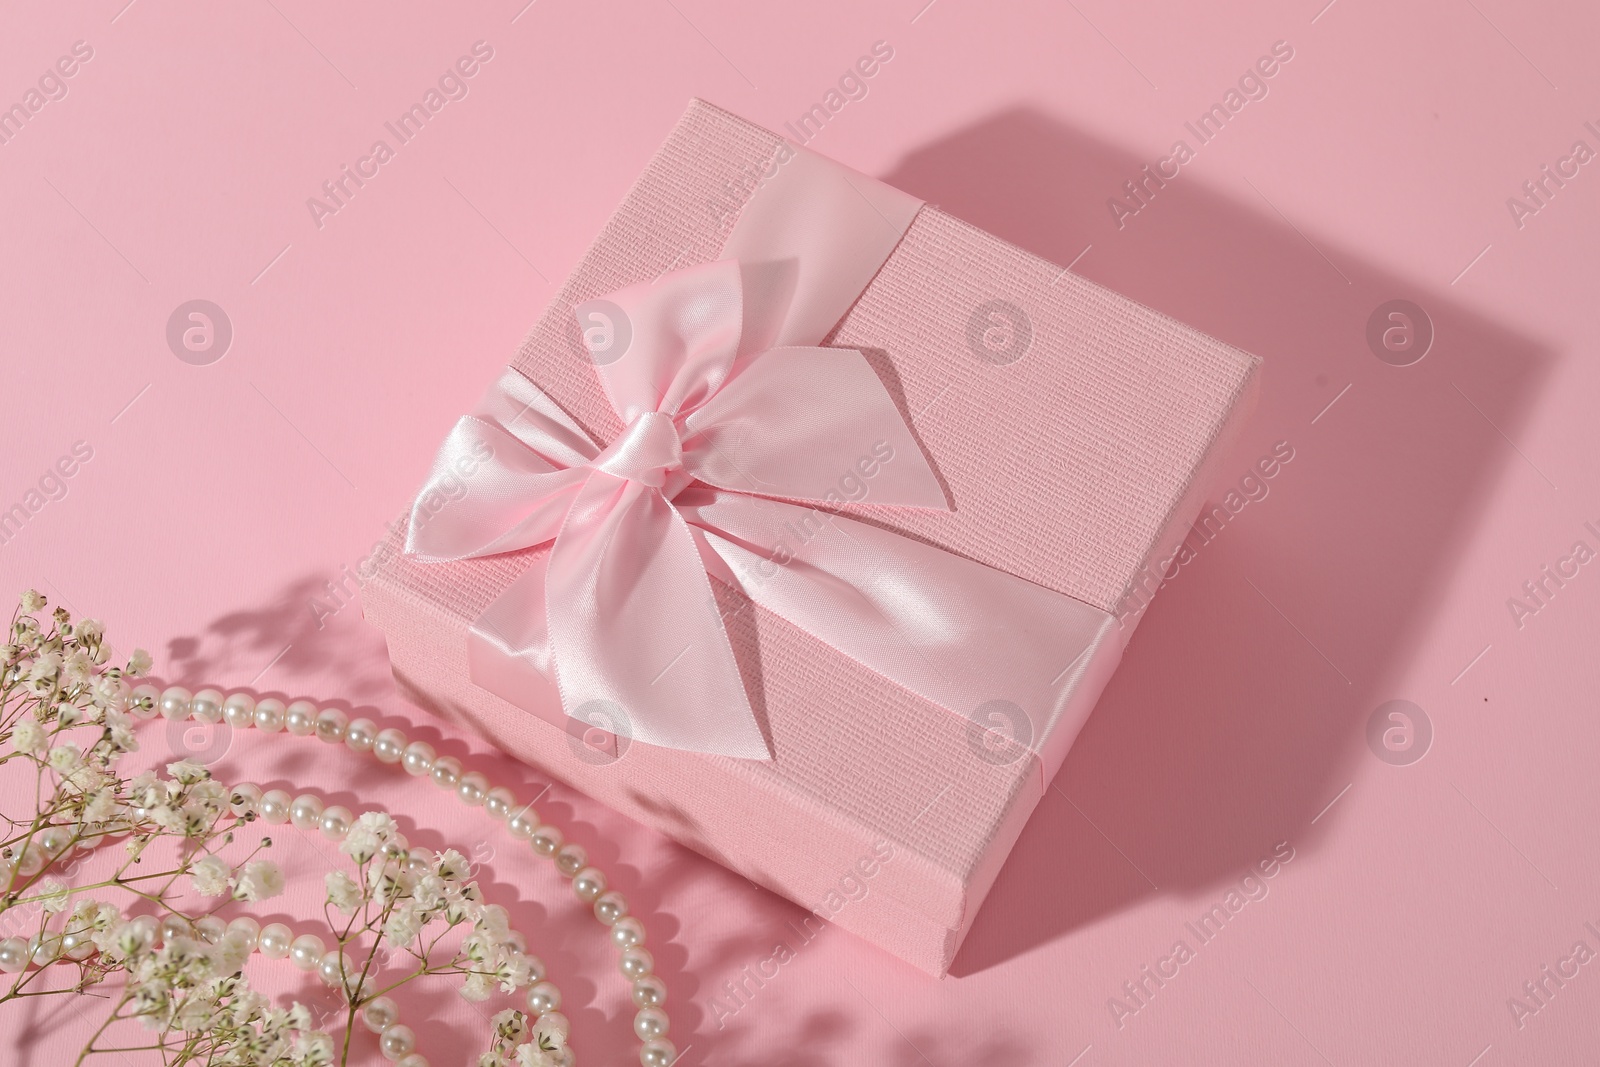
[1072, 466]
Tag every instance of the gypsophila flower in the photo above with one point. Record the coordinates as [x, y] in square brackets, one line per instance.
[343, 891]
[76, 668]
[139, 662]
[366, 838]
[64, 758]
[451, 866]
[258, 881]
[28, 736]
[403, 925]
[313, 1048]
[228, 954]
[210, 876]
[42, 675]
[477, 987]
[32, 601]
[534, 1056]
[550, 1033]
[509, 1025]
[53, 896]
[188, 771]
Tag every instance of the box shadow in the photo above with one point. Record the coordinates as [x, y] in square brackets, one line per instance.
[1238, 712]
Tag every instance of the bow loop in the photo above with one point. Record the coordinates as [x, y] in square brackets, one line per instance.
[684, 334]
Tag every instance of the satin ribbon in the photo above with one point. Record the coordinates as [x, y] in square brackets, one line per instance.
[740, 436]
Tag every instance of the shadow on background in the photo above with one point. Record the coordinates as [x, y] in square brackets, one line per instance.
[1241, 703]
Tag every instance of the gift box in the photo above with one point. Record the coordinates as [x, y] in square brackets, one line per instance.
[1072, 433]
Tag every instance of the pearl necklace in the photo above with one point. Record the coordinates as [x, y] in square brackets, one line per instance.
[302, 718]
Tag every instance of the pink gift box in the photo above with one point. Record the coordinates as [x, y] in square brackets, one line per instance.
[1074, 431]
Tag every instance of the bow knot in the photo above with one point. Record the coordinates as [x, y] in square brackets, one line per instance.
[647, 451]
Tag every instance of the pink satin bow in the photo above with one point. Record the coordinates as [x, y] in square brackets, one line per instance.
[622, 609]
[735, 431]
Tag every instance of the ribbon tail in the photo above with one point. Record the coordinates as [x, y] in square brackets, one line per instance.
[635, 630]
[974, 640]
[503, 478]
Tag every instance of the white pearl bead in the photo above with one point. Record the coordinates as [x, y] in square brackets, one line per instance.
[397, 1041]
[75, 945]
[658, 1053]
[499, 801]
[649, 992]
[523, 823]
[380, 1013]
[360, 735]
[300, 718]
[247, 929]
[175, 702]
[418, 860]
[571, 859]
[175, 926]
[545, 840]
[275, 806]
[389, 745]
[46, 948]
[446, 773]
[306, 952]
[145, 701]
[609, 907]
[13, 955]
[333, 967]
[336, 821]
[269, 715]
[306, 811]
[411, 1059]
[472, 789]
[535, 968]
[239, 711]
[275, 941]
[245, 799]
[588, 884]
[543, 997]
[210, 928]
[331, 723]
[650, 1024]
[206, 706]
[31, 862]
[53, 840]
[636, 963]
[627, 933]
[418, 758]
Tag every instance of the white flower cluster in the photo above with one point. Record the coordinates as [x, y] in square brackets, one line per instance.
[404, 893]
[519, 1043]
[66, 719]
[186, 984]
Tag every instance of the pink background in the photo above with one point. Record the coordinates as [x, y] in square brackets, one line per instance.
[1420, 897]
